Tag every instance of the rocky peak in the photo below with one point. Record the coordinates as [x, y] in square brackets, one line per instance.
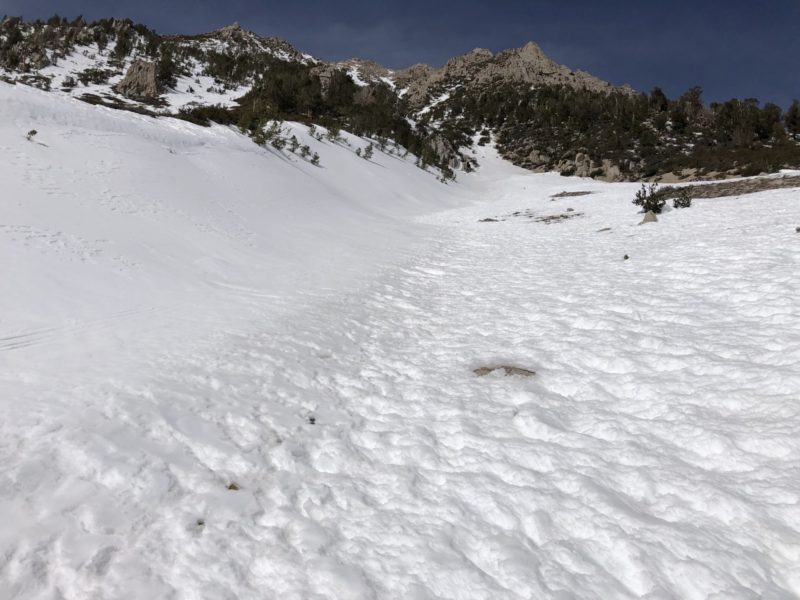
[532, 49]
[415, 71]
[528, 64]
[477, 55]
[368, 69]
[231, 32]
[240, 40]
[460, 65]
[481, 52]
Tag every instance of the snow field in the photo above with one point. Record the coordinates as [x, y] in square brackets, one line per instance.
[324, 365]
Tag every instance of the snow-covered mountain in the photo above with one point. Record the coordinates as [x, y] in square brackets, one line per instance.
[543, 116]
[98, 55]
[256, 342]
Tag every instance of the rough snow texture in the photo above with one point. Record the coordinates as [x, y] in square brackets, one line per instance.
[240, 317]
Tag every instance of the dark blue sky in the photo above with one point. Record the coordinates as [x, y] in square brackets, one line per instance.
[741, 48]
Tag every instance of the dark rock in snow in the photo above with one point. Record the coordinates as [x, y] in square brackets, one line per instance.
[509, 371]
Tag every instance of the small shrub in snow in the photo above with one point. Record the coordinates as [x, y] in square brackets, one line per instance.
[315, 160]
[650, 199]
[274, 130]
[447, 174]
[369, 151]
[31, 134]
[683, 199]
[259, 138]
[333, 133]
[569, 171]
[270, 135]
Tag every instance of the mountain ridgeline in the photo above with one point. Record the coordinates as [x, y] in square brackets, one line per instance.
[541, 115]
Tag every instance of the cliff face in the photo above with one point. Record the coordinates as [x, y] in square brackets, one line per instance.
[140, 82]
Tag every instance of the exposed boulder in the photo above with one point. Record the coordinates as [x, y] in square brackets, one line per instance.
[140, 82]
[649, 217]
[538, 159]
[583, 165]
[611, 172]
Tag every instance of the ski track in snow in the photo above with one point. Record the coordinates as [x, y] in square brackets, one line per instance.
[654, 454]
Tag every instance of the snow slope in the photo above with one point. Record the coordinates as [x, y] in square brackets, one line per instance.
[185, 312]
[114, 223]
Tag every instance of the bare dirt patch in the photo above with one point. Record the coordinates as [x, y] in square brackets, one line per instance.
[570, 194]
[529, 214]
[548, 220]
[508, 371]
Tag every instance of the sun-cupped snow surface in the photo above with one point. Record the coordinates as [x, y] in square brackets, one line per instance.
[230, 374]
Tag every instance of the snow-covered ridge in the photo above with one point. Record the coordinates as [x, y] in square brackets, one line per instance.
[63, 52]
[66, 59]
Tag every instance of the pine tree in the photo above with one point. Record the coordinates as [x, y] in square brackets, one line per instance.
[658, 100]
[368, 152]
[333, 132]
[166, 70]
[792, 119]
